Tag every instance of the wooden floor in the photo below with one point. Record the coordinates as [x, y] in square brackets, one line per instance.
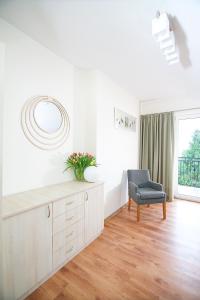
[154, 259]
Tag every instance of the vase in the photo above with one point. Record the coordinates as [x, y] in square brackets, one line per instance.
[79, 174]
[91, 174]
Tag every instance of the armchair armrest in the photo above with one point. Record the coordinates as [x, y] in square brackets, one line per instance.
[132, 190]
[155, 185]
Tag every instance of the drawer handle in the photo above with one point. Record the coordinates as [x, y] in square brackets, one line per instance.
[49, 211]
[69, 203]
[86, 193]
[69, 219]
[70, 234]
[68, 251]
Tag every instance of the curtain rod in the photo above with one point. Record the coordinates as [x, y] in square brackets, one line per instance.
[177, 110]
[186, 109]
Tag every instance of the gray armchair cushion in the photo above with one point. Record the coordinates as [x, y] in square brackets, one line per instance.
[151, 184]
[149, 193]
[150, 201]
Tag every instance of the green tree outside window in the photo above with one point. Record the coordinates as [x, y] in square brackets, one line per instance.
[189, 163]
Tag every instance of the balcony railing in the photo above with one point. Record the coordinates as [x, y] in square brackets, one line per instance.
[189, 171]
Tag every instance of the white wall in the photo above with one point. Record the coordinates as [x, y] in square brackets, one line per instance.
[157, 106]
[2, 54]
[117, 150]
[85, 130]
[31, 69]
[2, 58]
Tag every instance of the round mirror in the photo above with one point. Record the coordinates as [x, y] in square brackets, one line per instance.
[47, 116]
[45, 122]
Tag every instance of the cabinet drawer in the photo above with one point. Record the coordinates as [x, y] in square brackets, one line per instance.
[68, 218]
[62, 238]
[70, 202]
[70, 249]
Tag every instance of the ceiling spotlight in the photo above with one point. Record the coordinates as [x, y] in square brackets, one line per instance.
[171, 56]
[168, 50]
[168, 42]
[163, 33]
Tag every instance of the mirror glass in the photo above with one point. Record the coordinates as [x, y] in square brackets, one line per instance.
[47, 116]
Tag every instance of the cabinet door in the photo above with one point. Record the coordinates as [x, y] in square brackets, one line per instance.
[27, 250]
[94, 213]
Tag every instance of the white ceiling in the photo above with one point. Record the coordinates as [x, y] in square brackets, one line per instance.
[115, 37]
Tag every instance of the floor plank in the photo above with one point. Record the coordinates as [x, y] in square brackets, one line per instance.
[152, 259]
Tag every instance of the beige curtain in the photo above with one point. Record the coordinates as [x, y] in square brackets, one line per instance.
[157, 148]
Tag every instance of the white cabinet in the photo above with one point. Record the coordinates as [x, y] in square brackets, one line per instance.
[43, 239]
[27, 250]
[94, 213]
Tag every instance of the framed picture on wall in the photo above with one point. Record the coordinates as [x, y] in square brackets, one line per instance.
[123, 120]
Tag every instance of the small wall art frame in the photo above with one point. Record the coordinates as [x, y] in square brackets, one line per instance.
[123, 120]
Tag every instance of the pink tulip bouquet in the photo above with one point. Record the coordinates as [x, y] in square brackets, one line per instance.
[78, 162]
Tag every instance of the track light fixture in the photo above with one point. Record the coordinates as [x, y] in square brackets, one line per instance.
[163, 33]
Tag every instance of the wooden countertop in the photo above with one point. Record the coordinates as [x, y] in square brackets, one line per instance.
[21, 202]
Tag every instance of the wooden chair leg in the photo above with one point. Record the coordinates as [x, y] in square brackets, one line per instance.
[138, 212]
[164, 210]
[129, 204]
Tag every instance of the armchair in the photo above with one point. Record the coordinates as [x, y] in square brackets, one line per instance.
[144, 191]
